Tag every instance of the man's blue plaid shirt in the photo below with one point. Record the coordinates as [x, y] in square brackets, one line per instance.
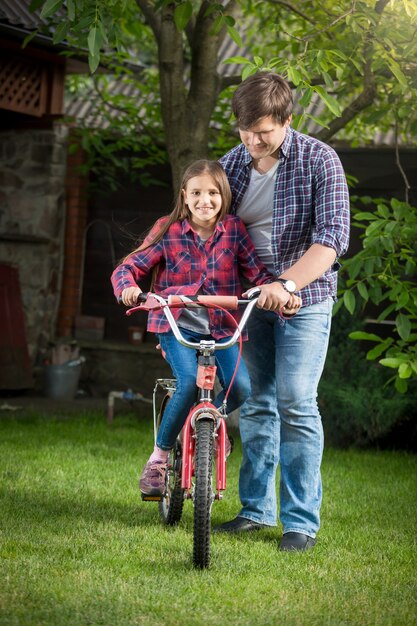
[311, 204]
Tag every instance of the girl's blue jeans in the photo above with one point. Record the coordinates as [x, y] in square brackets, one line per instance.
[280, 423]
[183, 362]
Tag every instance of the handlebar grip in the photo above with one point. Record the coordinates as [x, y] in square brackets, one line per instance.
[253, 293]
[141, 298]
[227, 302]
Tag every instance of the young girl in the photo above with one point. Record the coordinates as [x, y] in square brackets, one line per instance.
[198, 248]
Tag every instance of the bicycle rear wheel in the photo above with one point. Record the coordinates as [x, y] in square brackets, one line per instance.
[172, 502]
[203, 492]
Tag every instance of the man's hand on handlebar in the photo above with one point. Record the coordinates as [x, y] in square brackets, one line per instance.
[292, 307]
[273, 297]
[130, 295]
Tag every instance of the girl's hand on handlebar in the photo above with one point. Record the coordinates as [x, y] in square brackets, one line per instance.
[130, 295]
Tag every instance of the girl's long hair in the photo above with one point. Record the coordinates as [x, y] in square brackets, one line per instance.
[181, 210]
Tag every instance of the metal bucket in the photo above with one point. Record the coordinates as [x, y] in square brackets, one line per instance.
[61, 381]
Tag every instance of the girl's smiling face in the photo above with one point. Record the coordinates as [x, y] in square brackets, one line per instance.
[203, 199]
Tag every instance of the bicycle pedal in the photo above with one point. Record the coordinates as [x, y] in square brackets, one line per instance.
[151, 498]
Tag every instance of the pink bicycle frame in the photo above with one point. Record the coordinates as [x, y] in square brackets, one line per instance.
[205, 380]
[188, 445]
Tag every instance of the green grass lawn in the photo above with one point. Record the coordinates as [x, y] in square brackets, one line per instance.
[78, 547]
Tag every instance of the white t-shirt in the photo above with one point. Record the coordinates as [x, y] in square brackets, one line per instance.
[255, 210]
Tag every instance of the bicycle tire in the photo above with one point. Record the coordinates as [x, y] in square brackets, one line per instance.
[171, 505]
[203, 493]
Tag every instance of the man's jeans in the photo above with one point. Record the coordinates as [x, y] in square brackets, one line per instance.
[183, 362]
[280, 423]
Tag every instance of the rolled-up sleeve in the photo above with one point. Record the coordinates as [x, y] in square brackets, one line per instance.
[332, 207]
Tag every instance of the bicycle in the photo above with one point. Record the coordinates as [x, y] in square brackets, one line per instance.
[202, 441]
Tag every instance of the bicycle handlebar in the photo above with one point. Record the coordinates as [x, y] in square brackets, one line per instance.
[152, 301]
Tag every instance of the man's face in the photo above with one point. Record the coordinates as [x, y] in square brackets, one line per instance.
[264, 138]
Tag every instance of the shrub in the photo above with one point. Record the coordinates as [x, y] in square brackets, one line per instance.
[384, 273]
[358, 406]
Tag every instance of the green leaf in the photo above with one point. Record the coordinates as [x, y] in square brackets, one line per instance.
[294, 75]
[391, 362]
[248, 70]
[61, 32]
[217, 25]
[329, 101]
[363, 291]
[71, 10]
[238, 60]
[403, 326]
[349, 301]
[328, 80]
[29, 38]
[93, 62]
[337, 306]
[364, 215]
[369, 266]
[354, 267]
[404, 371]
[401, 385]
[397, 71]
[51, 7]
[182, 15]
[359, 334]
[402, 300]
[305, 99]
[317, 120]
[95, 39]
[383, 210]
[377, 350]
[213, 8]
[235, 35]
[297, 121]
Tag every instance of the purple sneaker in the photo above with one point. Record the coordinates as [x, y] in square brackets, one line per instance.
[152, 480]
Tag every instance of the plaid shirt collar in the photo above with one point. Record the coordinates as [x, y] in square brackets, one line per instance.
[186, 227]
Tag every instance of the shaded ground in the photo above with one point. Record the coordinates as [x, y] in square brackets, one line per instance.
[19, 403]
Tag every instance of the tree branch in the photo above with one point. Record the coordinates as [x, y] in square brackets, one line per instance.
[398, 162]
[139, 123]
[152, 19]
[329, 26]
[367, 96]
[294, 9]
[365, 99]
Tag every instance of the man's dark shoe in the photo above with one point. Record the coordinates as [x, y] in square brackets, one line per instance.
[296, 542]
[238, 525]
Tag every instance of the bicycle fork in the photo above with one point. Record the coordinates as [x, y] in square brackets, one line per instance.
[204, 410]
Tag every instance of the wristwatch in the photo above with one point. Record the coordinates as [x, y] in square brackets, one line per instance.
[288, 284]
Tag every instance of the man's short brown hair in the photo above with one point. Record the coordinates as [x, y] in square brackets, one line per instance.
[263, 94]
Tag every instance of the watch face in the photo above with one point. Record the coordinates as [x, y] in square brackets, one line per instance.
[290, 286]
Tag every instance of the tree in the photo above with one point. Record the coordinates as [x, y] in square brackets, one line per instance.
[352, 56]
[357, 58]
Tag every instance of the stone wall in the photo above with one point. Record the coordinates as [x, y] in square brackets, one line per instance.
[32, 223]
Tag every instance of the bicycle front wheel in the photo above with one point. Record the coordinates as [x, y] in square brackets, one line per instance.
[203, 492]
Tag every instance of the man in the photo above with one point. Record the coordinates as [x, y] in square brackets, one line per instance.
[291, 192]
